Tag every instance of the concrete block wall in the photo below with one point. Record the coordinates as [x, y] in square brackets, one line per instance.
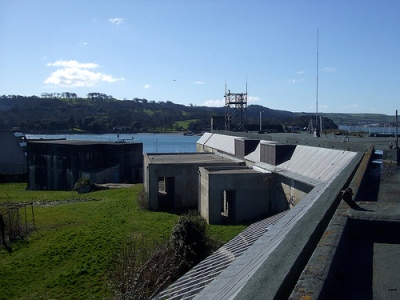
[287, 192]
[251, 191]
[244, 147]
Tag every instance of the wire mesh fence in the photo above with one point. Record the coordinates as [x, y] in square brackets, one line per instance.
[17, 221]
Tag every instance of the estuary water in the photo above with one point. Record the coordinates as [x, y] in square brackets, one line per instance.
[152, 142]
[372, 129]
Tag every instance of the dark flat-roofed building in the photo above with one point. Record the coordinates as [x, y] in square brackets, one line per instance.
[12, 156]
[58, 164]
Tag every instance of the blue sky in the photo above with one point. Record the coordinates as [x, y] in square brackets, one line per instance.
[185, 51]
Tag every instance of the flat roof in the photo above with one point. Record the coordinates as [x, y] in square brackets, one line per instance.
[187, 158]
[234, 170]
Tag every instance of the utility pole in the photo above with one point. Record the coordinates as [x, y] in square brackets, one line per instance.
[397, 133]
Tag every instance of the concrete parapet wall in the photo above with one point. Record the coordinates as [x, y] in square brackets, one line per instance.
[272, 266]
[288, 192]
[314, 277]
[282, 269]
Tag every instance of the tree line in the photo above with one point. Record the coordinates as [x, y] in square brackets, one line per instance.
[102, 113]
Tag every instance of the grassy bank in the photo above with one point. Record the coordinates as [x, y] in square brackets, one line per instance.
[68, 256]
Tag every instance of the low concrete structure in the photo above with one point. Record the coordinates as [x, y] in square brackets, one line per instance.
[171, 180]
[306, 179]
[58, 164]
[233, 195]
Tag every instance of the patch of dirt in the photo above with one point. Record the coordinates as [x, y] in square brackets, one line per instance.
[43, 203]
[116, 185]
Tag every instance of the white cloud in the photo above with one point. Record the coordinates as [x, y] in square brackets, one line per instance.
[298, 80]
[72, 64]
[329, 69]
[198, 82]
[75, 74]
[147, 86]
[215, 103]
[252, 99]
[116, 21]
[300, 72]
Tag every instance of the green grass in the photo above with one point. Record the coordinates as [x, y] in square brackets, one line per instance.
[184, 124]
[69, 254]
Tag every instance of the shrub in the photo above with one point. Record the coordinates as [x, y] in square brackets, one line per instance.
[189, 239]
[142, 268]
[83, 186]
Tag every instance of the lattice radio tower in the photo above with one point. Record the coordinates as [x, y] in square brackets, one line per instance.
[235, 110]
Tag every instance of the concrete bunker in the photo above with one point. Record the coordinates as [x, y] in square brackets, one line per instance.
[232, 195]
[171, 180]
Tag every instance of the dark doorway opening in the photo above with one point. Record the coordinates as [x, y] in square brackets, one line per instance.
[166, 192]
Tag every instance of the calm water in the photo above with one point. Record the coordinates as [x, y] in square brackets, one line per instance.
[386, 130]
[152, 142]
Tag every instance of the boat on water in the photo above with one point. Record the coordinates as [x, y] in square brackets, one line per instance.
[191, 133]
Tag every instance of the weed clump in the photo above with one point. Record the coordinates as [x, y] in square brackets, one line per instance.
[83, 186]
[143, 200]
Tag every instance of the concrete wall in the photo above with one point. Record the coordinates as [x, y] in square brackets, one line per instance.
[186, 183]
[251, 192]
[56, 165]
[287, 192]
[103, 175]
[244, 147]
[275, 154]
[182, 178]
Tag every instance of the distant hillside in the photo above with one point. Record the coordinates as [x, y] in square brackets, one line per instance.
[100, 113]
[356, 119]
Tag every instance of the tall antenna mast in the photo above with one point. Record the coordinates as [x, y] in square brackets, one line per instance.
[225, 84]
[316, 113]
[246, 83]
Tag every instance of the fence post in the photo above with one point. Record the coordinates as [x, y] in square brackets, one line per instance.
[2, 229]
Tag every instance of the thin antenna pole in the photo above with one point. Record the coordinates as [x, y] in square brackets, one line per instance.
[225, 84]
[316, 112]
[246, 85]
[397, 133]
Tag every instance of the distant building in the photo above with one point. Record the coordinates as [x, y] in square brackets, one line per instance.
[12, 155]
[58, 164]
